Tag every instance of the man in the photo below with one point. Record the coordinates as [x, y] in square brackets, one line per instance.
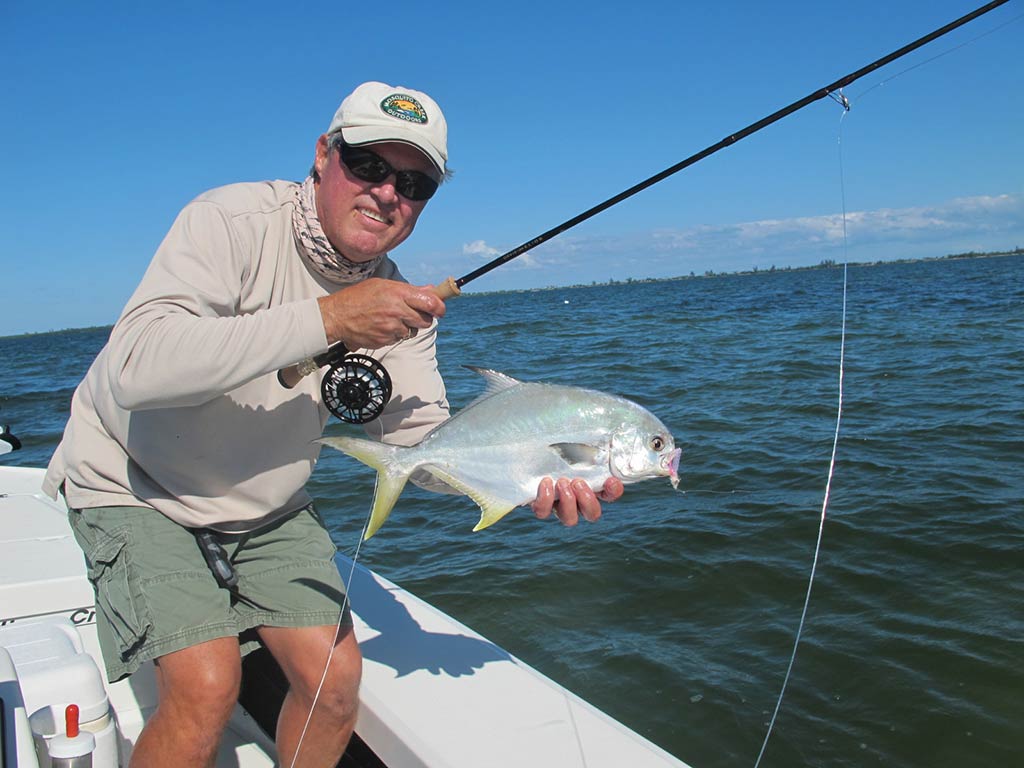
[181, 427]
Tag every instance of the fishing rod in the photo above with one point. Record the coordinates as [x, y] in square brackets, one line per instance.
[357, 387]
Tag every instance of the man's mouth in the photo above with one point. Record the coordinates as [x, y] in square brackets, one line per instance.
[374, 215]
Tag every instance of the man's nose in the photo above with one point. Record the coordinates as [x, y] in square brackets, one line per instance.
[385, 190]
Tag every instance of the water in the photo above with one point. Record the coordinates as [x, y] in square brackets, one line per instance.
[676, 612]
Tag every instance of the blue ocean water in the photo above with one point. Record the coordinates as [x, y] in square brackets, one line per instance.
[676, 613]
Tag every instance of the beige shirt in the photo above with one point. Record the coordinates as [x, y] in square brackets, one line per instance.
[182, 411]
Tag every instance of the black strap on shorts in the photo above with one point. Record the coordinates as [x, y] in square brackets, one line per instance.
[216, 558]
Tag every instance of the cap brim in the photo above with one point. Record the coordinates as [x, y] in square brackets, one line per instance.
[358, 136]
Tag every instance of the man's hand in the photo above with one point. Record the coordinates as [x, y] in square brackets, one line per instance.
[571, 499]
[375, 313]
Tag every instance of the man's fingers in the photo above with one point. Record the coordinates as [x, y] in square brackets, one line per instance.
[426, 303]
[566, 510]
[378, 312]
[545, 499]
[586, 501]
[572, 499]
[612, 490]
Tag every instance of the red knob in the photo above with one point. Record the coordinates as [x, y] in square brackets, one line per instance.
[71, 720]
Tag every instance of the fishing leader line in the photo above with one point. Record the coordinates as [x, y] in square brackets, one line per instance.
[334, 643]
[955, 48]
[345, 603]
[840, 98]
[844, 102]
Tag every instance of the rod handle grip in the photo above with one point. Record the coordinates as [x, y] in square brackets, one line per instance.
[447, 289]
[293, 374]
[290, 376]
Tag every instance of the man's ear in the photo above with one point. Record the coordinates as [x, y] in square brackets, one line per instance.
[323, 148]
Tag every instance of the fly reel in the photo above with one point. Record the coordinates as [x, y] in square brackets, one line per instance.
[356, 388]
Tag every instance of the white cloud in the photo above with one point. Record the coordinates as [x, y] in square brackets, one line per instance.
[961, 217]
[486, 252]
[481, 249]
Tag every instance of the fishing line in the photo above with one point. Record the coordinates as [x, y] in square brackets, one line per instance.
[718, 493]
[955, 48]
[844, 102]
[346, 602]
[575, 728]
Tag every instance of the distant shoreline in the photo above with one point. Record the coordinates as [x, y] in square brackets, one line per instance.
[826, 264]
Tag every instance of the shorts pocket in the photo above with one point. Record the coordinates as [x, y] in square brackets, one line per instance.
[118, 593]
[318, 542]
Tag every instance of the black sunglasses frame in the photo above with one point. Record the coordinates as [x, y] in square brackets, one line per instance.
[367, 165]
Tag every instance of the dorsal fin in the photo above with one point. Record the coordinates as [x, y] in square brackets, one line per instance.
[496, 380]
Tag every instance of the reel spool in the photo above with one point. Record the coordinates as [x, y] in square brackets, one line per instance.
[356, 388]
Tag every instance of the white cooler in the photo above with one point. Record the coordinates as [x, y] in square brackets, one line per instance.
[54, 671]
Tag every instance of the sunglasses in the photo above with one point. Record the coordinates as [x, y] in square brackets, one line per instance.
[369, 166]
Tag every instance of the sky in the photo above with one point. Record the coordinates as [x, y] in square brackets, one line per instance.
[114, 115]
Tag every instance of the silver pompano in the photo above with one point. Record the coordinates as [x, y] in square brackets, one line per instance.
[498, 448]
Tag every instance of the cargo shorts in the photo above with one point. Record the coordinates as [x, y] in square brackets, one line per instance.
[155, 593]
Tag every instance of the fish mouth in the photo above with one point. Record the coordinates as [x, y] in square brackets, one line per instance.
[671, 463]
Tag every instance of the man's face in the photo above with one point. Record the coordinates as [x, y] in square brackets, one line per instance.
[364, 219]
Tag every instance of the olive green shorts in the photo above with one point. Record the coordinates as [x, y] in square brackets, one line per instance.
[155, 593]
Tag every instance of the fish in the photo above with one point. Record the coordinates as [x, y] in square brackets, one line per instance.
[497, 449]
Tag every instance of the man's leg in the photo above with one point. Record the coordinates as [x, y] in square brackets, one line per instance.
[198, 688]
[302, 653]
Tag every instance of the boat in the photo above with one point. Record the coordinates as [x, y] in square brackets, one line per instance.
[8, 441]
[434, 693]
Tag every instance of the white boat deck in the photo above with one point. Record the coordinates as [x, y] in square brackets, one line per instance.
[445, 696]
[435, 694]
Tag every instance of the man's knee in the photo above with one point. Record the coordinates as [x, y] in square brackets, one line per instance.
[201, 683]
[217, 688]
[342, 699]
[303, 655]
[338, 696]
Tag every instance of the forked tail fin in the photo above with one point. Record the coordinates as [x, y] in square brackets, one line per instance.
[391, 476]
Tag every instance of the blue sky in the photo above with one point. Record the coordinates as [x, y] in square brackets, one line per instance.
[116, 115]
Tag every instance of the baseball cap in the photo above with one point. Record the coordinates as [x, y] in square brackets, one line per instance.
[376, 112]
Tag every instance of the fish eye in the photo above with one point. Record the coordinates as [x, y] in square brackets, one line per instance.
[657, 443]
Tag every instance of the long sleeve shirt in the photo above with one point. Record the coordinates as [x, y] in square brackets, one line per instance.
[182, 410]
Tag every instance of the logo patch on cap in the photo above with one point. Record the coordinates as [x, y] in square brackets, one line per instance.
[404, 108]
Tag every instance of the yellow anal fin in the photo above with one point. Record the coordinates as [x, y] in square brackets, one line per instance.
[389, 488]
[492, 509]
[390, 479]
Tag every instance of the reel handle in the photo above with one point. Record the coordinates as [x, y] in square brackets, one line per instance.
[293, 374]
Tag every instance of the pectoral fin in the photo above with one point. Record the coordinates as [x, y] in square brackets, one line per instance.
[492, 509]
[577, 454]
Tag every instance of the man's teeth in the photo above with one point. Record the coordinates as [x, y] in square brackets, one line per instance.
[373, 215]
